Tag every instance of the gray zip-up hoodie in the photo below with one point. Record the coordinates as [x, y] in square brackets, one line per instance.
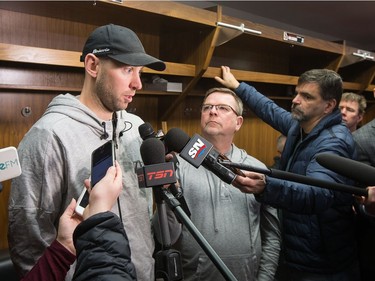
[55, 158]
[242, 231]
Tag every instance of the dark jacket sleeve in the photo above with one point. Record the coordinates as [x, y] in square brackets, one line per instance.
[103, 251]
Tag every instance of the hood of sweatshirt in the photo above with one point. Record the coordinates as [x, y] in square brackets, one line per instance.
[69, 105]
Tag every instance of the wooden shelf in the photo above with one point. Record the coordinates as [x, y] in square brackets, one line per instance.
[186, 38]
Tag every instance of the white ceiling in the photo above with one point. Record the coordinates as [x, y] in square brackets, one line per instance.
[352, 21]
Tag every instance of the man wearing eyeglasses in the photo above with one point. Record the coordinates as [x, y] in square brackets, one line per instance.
[243, 232]
[319, 241]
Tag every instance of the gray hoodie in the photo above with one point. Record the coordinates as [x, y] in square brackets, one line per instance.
[55, 158]
[242, 231]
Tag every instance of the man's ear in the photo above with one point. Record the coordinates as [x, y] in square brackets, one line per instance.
[239, 122]
[360, 118]
[91, 65]
[330, 106]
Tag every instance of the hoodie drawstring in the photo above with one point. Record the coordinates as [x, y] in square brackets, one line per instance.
[105, 134]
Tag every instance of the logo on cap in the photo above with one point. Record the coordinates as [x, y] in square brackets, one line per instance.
[99, 51]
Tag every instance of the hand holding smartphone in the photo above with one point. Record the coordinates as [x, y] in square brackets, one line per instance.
[101, 159]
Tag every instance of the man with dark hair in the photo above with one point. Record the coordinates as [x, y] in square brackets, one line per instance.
[318, 225]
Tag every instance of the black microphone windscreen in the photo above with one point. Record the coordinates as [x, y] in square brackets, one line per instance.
[146, 131]
[152, 151]
[360, 172]
[175, 140]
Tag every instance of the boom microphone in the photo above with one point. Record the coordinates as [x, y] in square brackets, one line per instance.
[279, 174]
[360, 172]
[198, 151]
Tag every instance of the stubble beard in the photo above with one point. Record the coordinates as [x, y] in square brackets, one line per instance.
[298, 114]
[104, 92]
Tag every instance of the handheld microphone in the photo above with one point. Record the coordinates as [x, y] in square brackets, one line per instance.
[146, 131]
[155, 172]
[273, 173]
[198, 151]
[360, 172]
[9, 163]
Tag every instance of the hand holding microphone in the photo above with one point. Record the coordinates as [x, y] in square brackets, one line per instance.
[274, 173]
[369, 202]
[250, 182]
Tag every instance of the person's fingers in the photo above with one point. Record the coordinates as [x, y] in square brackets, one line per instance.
[118, 173]
[111, 172]
[87, 183]
[69, 211]
[218, 79]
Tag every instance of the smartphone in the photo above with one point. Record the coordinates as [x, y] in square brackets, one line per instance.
[101, 159]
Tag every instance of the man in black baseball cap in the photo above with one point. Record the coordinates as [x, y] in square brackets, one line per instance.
[62, 142]
[121, 44]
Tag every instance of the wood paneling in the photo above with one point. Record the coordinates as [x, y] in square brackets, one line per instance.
[13, 126]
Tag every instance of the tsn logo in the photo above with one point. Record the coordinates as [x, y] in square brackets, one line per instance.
[160, 174]
[198, 147]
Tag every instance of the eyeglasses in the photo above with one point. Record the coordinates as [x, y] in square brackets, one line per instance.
[222, 108]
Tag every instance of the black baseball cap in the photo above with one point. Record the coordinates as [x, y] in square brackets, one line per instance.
[121, 44]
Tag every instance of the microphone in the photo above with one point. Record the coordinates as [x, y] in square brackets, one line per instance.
[155, 172]
[198, 151]
[360, 172]
[299, 178]
[9, 164]
[146, 131]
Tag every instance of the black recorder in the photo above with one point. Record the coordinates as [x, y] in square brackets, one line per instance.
[101, 159]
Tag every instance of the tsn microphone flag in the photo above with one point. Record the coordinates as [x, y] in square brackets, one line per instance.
[196, 150]
[156, 174]
[9, 163]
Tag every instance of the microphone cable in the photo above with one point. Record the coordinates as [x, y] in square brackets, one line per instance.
[115, 144]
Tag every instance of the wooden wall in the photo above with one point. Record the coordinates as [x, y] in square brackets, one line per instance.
[13, 127]
[29, 85]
